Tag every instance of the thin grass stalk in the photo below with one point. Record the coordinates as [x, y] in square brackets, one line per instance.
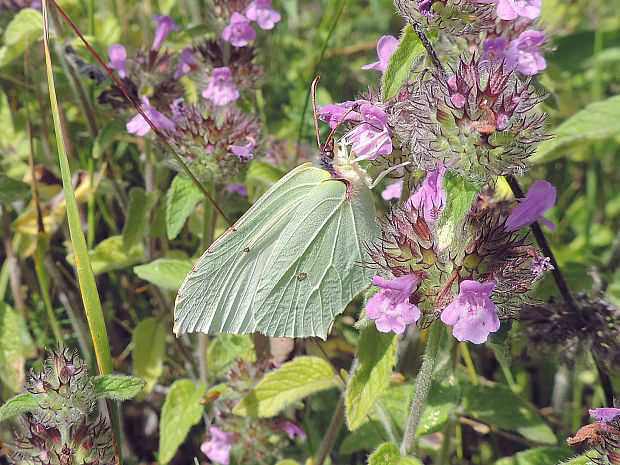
[87, 284]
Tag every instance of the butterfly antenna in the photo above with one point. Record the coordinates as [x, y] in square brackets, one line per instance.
[355, 107]
[316, 119]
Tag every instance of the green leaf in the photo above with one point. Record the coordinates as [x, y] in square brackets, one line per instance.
[12, 189]
[287, 462]
[537, 456]
[388, 454]
[168, 273]
[293, 381]
[500, 406]
[585, 459]
[137, 216]
[377, 355]
[27, 24]
[149, 339]
[117, 387]
[260, 177]
[400, 63]
[183, 195]
[366, 437]
[110, 255]
[596, 122]
[106, 137]
[224, 349]
[11, 353]
[20, 403]
[441, 402]
[180, 412]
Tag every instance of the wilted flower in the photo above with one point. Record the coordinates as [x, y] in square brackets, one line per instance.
[165, 24]
[371, 138]
[540, 198]
[118, 62]
[138, 124]
[390, 307]
[220, 89]
[385, 47]
[523, 52]
[472, 312]
[186, 63]
[244, 152]
[218, 448]
[292, 430]
[430, 196]
[262, 12]
[393, 191]
[238, 32]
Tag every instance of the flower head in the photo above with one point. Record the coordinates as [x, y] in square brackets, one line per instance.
[472, 312]
[261, 12]
[118, 61]
[217, 449]
[292, 430]
[540, 198]
[186, 63]
[138, 124]
[238, 32]
[334, 112]
[385, 47]
[605, 414]
[390, 307]
[221, 90]
[523, 52]
[165, 23]
[371, 138]
[244, 152]
[430, 196]
[393, 191]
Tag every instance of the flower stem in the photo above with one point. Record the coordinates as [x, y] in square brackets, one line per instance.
[332, 433]
[423, 382]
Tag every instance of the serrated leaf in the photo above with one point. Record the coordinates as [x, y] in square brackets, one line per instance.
[500, 406]
[109, 255]
[182, 197]
[400, 63]
[11, 353]
[137, 216]
[180, 412]
[293, 381]
[149, 339]
[389, 454]
[168, 273]
[12, 189]
[117, 387]
[460, 194]
[18, 404]
[376, 353]
[537, 456]
[28, 23]
[596, 122]
[106, 137]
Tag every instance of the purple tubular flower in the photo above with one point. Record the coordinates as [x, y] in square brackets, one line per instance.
[118, 62]
[523, 52]
[494, 49]
[540, 198]
[605, 414]
[334, 112]
[393, 191]
[261, 12]
[185, 63]
[165, 23]
[424, 7]
[390, 307]
[238, 188]
[385, 47]
[371, 138]
[472, 312]
[220, 90]
[138, 124]
[430, 196]
[238, 32]
[244, 152]
[292, 430]
[217, 449]
[510, 9]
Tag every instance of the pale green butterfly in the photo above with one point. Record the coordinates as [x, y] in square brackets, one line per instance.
[291, 263]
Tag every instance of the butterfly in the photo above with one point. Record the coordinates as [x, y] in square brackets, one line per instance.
[291, 263]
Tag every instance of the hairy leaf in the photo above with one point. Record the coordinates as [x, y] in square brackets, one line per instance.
[117, 387]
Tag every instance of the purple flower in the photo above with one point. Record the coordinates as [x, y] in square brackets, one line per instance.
[185, 63]
[333, 113]
[261, 12]
[220, 90]
[371, 138]
[393, 191]
[118, 62]
[523, 52]
[605, 414]
[138, 124]
[244, 152]
[238, 188]
[292, 430]
[494, 49]
[540, 198]
[217, 449]
[424, 7]
[472, 312]
[390, 307]
[164, 24]
[385, 47]
[430, 196]
[540, 265]
[238, 32]
[510, 9]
